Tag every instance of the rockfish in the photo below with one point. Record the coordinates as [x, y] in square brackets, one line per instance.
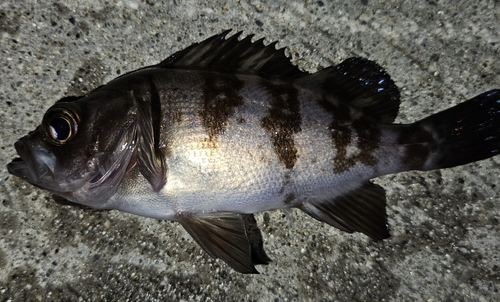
[228, 127]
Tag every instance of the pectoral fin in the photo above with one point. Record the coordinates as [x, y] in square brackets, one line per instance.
[359, 210]
[234, 238]
[149, 156]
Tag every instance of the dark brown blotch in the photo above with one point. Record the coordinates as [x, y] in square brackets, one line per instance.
[176, 116]
[361, 133]
[172, 108]
[283, 120]
[289, 198]
[369, 137]
[417, 143]
[221, 95]
[172, 114]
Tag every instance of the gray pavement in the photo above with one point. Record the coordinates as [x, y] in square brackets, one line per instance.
[445, 243]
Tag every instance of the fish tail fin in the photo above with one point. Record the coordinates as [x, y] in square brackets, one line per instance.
[460, 135]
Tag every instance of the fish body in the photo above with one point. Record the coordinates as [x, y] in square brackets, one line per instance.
[227, 128]
[232, 161]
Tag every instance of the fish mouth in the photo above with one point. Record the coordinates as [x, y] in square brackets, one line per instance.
[16, 166]
[19, 168]
[34, 165]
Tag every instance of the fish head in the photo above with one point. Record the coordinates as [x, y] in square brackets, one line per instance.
[81, 150]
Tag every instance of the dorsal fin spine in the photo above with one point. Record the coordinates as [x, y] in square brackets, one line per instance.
[233, 56]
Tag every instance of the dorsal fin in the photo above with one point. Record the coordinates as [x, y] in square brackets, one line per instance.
[231, 55]
[360, 83]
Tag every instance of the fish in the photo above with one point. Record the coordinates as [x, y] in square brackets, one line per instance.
[229, 127]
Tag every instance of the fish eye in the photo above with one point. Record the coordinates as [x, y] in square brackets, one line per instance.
[61, 122]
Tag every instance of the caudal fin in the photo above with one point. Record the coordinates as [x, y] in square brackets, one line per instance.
[465, 133]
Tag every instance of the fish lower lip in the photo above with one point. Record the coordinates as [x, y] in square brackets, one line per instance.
[18, 167]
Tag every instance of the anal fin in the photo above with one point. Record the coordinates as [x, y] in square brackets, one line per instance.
[234, 238]
[359, 210]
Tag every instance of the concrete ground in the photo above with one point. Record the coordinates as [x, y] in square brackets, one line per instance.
[445, 242]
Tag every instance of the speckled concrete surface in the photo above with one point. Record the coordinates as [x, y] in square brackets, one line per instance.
[445, 224]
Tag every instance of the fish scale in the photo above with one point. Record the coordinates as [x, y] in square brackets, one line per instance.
[229, 127]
